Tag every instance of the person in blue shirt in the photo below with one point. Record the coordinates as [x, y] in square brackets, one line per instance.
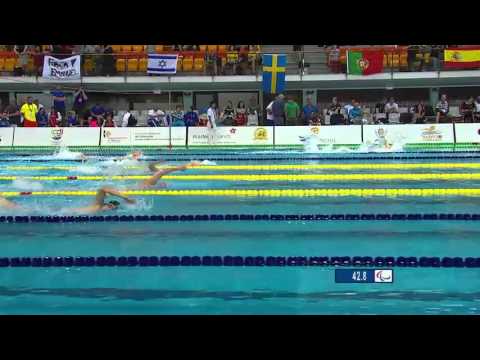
[42, 117]
[191, 117]
[71, 119]
[355, 114]
[98, 113]
[59, 100]
[177, 117]
[308, 110]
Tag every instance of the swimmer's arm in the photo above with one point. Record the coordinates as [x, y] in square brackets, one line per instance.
[153, 165]
[103, 192]
[153, 180]
[8, 204]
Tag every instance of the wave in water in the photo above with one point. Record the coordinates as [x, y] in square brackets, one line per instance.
[27, 185]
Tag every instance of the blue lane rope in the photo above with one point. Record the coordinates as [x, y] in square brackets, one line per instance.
[241, 217]
[247, 261]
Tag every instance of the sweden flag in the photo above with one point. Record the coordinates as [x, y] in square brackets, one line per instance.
[274, 73]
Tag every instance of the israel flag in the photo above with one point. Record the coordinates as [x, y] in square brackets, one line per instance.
[162, 64]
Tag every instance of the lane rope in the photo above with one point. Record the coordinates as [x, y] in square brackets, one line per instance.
[428, 192]
[370, 166]
[241, 217]
[242, 261]
[263, 177]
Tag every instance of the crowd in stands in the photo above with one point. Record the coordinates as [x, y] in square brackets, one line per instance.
[109, 60]
[283, 111]
[289, 113]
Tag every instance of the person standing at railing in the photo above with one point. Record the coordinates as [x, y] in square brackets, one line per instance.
[42, 117]
[80, 104]
[108, 61]
[308, 110]
[420, 111]
[241, 114]
[292, 112]
[54, 118]
[442, 108]
[356, 113]
[29, 112]
[391, 107]
[59, 102]
[467, 109]
[278, 110]
[477, 109]
[98, 113]
[178, 117]
[228, 114]
[12, 112]
[191, 117]
[335, 112]
[212, 123]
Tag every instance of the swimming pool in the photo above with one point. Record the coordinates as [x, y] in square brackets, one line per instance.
[186, 261]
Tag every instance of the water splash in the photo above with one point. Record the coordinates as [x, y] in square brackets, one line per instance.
[63, 153]
[208, 162]
[26, 185]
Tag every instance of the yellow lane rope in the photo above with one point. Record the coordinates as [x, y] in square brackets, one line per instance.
[287, 166]
[265, 177]
[270, 192]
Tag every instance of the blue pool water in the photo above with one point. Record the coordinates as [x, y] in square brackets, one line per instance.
[239, 290]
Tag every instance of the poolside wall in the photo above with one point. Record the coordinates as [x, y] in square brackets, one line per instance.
[261, 136]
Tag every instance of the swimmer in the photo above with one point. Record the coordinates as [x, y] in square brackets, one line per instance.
[158, 174]
[135, 155]
[98, 206]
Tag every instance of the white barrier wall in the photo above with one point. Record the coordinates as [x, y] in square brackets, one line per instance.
[250, 135]
[56, 136]
[467, 133]
[6, 137]
[148, 136]
[335, 134]
[412, 133]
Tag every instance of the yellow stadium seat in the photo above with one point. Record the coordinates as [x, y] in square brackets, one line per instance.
[222, 48]
[199, 64]
[212, 48]
[121, 65]
[132, 65]
[232, 57]
[88, 65]
[143, 64]
[385, 61]
[30, 65]
[179, 63]
[426, 58]
[158, 48]
[116, 48]
[2, 64]
[202, 47]
[18, 63]
[10, 64]
[126, 48]
[138, 48]
[187, 63]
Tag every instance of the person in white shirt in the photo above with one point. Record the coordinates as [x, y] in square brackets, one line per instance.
[270, 117]
[391, 107]
[476, 110]
[211, 124]
[348, 108]
[125, 118]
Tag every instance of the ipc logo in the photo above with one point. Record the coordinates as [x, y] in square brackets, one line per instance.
[383, 276]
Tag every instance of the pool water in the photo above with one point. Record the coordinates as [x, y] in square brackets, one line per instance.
[238, 290]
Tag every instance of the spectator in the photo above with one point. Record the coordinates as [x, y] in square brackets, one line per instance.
[349, 107]
[477, 108]
[37, 102]
[435, 57]
[191, 117]
[163, 118]
[212, 115]
[178, 116]
[152, 120]
[93, 122]
[12, 112]
[228, 114]
[128, 119]
[4, 122]
[391, 107]
[98, 59]
[22, 53]
[442, 108]
[292, 112]
[335, 112]
[98, 113]
[315, 120]
[108, 122]
[356, 114]
[42, 117]
[38, 57]
[72, 119]
[270, 117]
[252, 116]
[278, 110]
[380, 107]
[420, 111]
[108, 61]
[467, 108]
[308, 111]
[54, 118]
[29, 111]
[59, 100]
[80, 102]
[241, 114]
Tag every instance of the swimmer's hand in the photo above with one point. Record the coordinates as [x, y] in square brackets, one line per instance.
[194, 163]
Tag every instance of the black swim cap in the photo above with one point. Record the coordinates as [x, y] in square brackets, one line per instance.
[115, 203]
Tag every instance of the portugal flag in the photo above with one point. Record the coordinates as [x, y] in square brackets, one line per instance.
[462, 59]
[365, 62]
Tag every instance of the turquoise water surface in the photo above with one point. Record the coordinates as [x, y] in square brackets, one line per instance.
[237, 290]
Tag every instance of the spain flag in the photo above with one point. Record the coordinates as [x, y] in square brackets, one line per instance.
[462, 59]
